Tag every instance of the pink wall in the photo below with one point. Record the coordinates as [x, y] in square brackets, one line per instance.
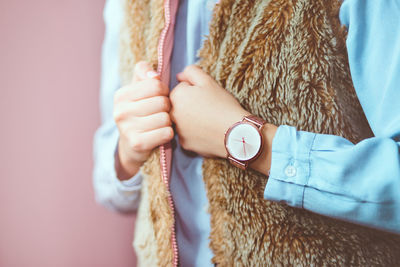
[49, 78]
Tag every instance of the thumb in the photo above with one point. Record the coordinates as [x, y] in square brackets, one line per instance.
[143, 70]
[193, 75]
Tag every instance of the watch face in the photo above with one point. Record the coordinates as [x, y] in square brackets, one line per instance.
[243, 141]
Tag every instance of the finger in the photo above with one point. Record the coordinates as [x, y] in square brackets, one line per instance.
[152, 122]
[141, 90]
[143, 70]
[180, 86]
[193, 75]
[147, 106]
[155, 138]
[178, 94]
[179, 91]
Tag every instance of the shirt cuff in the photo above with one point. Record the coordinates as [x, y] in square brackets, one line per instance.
[132, 184]
[133, 181]
[290, 166]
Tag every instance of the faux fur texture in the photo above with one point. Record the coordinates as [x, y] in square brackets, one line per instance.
[142, 26]
[143, 23]
[285, 61]
[154, 221]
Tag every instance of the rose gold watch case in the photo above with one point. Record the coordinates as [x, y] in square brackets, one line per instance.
[243, 164]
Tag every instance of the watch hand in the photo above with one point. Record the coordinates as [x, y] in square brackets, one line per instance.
[244, 146]
[249, 144]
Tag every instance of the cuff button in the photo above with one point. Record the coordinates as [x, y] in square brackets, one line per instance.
[290, 171]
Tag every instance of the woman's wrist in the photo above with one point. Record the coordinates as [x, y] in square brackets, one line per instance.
[262, 163]
[125, 168]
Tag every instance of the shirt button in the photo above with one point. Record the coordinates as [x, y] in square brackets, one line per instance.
[290, 171]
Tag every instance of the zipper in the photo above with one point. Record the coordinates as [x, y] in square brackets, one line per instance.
[164, 175]
[163, 148]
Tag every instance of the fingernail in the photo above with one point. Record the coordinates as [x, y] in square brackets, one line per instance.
[152, 74]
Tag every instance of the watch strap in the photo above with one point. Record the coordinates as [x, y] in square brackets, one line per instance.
[255, 120]
[240, 164]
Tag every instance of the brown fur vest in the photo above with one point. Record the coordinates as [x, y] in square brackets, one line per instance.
[285, 61]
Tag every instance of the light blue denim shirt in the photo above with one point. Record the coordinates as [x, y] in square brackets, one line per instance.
[322, 173]
[328, 174]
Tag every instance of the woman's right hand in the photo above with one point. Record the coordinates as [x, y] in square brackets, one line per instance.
[141, 112]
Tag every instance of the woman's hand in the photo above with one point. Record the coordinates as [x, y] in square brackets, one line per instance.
[202, 112]
[141, 112]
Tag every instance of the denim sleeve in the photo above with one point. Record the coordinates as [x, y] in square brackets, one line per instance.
[328, 174]
[109, 190]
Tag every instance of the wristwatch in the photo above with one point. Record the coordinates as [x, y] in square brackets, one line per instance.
[244, 141]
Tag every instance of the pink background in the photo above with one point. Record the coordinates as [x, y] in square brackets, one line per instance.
[49, 78]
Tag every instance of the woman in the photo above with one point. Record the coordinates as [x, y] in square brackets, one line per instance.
[286, 63]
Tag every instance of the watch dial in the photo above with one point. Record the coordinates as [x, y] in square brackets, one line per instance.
[243, 141]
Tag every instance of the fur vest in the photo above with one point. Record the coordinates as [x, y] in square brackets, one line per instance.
[285, 61]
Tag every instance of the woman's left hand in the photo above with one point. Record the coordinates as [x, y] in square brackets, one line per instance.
[202, 112]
